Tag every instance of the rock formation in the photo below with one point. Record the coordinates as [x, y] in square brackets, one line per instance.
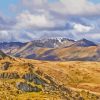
[27, 87]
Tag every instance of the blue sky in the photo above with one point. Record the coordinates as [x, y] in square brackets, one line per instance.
[95, 1]
[74, 19]
[5, 6]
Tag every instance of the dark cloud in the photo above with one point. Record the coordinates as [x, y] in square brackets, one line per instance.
[6, 24]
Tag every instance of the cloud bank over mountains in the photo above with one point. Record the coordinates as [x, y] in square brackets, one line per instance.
[65, 18]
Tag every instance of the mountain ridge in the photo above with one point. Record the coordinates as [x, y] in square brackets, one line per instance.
[84, 43]
[57, 49]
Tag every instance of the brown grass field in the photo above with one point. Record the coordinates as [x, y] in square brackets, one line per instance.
[78, 76]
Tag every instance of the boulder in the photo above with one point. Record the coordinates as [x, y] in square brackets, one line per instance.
[6, 75]
[5, 66]
[31, 77]
[27, 87]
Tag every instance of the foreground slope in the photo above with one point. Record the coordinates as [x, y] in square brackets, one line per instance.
[44, 80]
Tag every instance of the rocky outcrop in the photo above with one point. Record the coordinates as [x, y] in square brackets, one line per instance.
[27, 87]
[5, 66]
[50, 79]
[31, 77]
[47, 88]
[9, 75]
[66, 93]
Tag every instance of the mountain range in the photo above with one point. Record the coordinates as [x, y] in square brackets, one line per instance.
[54, 49]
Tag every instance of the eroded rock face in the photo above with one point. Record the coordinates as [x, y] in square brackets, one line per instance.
[31, 77]
[5, 66]
[9, 75]
[27, 87]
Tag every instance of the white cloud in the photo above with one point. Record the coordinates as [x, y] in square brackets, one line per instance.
[73, 7]
[41, 14]
[27, 20]
[4, 35]
[82, 28]
[66, 7]
[79, 7]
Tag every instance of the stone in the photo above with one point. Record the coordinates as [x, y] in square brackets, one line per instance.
[6, 75]
[27, 87]
[31, 77]
[5, 66]
[38, 81]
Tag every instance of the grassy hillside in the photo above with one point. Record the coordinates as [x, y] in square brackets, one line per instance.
[77, 79]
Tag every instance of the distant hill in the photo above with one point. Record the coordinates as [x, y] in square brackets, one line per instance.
[58, 49]
[2, 54]
[9, 46]
[36, 45]
[72, 54]
[84, 43]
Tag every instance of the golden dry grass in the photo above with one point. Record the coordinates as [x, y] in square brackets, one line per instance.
[76, 75]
